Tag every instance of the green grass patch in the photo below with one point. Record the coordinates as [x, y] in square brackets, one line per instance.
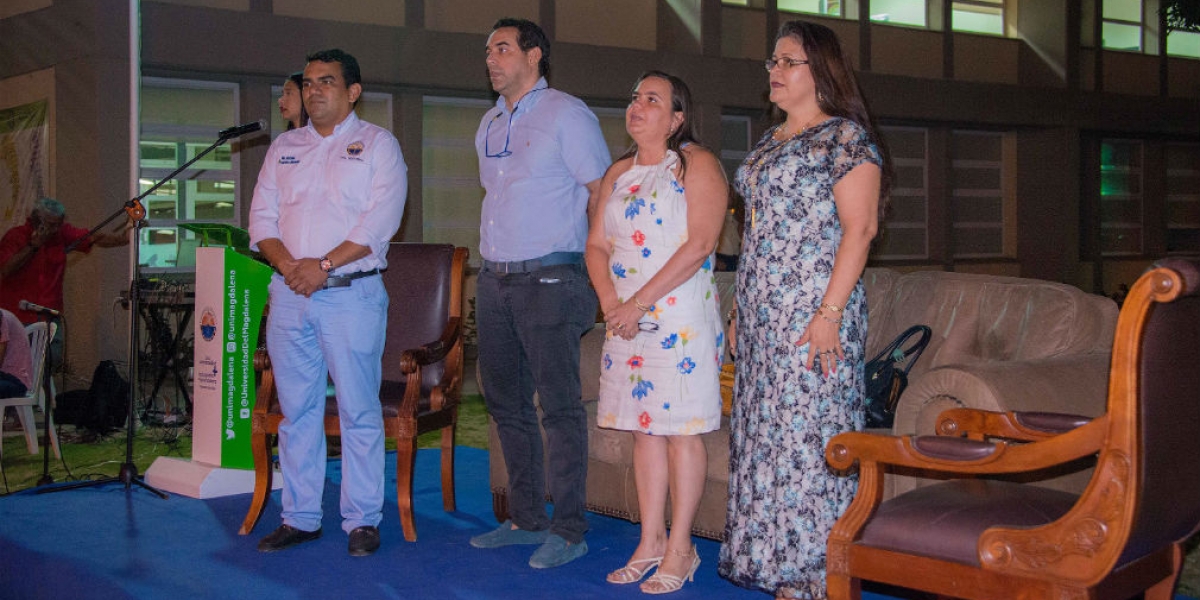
[90, 456]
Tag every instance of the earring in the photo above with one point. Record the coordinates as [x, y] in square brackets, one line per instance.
[820, 98]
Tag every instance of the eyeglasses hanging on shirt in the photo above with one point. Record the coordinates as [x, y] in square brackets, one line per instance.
[508, 132]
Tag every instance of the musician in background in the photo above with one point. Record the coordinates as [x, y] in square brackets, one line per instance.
[33, 261]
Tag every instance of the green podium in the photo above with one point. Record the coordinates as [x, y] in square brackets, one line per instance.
[231, 292]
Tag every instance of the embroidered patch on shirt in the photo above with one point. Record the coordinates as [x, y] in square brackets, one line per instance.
[354, 150]
[289, 160]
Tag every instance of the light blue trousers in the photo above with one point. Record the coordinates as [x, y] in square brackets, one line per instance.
[336, 333]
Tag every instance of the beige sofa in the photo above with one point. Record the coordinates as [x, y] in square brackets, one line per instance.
[999, 343]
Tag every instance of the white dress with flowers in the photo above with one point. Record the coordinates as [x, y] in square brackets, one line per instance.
[665, 380]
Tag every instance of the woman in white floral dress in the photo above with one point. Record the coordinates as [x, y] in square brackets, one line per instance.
[813, 186]
[650, 258]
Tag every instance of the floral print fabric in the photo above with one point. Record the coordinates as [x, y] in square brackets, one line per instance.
[783, 498]
[665, 380]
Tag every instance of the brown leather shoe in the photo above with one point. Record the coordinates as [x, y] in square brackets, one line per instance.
[286, 536]
[364, 541]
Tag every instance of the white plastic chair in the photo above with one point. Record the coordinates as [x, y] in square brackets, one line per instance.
[35, 396]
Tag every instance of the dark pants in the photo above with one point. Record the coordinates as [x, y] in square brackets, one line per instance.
[10, 386]
[529, 330]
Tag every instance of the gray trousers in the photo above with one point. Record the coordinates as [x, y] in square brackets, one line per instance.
[529, 330]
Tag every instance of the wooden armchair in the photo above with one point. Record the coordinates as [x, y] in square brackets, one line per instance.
[998, 539]
[422, 374]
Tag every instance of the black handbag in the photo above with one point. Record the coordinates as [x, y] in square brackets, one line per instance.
[887, 374]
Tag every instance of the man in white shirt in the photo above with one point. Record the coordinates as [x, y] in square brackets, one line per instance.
[328, 201]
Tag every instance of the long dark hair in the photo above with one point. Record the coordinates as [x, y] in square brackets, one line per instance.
[298, 79]
[681, 102]
[838, 93]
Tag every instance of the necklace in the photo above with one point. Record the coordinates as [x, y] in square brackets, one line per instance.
[765, 151]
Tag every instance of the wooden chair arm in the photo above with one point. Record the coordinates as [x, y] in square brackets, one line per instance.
[964, 457]
[1026, 426]
[414, 358]
[266, 383]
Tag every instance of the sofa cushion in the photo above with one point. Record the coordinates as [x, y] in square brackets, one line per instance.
[983, 318]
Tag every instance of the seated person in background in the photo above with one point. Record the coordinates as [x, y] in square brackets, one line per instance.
[15, 359]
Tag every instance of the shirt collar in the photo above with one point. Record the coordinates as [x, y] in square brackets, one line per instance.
[350, 121]
[528, 100]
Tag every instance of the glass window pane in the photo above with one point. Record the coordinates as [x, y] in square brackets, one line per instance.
[906, 209]
[815, 7]
[1121, 197]
[910, 177]
[159, 247]
[220, 157]
[1119, 36]
[1121, 240]
[978, 210]
[192, 106]
[1123, 10]
[977, 241]
[902, 243]
[979, 178]
[978, 19]
[1183, 43]
[179, 120]
[735, 133]
[212, 200]
[1183, 240]
[154, 154]
[375, 108]
[899, 12]
[163, 203]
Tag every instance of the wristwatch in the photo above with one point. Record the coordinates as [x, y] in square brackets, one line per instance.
[326, 264]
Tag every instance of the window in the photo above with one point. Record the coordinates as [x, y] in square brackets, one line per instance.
[1121, 27]
[735, 142]
[1183, 43]
[180, 119]
[906, 232]
[978, 16]
[451, 194]
[977, 193]
[899, 12]
[1120, 197]
[1183, 198]
[812, 7]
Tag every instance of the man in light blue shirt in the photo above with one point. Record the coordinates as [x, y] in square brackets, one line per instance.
[328, 201]
[541, 157]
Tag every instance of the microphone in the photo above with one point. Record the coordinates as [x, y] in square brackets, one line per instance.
[37, 308]
[239, 130]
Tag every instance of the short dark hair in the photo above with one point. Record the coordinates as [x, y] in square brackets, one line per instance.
[349, 64]
[529, 35]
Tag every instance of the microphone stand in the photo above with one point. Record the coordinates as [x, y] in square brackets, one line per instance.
[137, 213]
[47, 403]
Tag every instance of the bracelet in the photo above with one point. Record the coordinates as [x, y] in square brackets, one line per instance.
[833, 307]
[731, 314]
[640, 306]
[834, 321]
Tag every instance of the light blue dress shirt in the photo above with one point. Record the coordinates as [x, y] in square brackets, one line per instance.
[535, 167]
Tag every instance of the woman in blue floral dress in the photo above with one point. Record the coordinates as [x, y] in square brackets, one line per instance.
[814, 187]
[650, 257]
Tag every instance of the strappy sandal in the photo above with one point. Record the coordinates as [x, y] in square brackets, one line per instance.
[665, 583]
[634, 570]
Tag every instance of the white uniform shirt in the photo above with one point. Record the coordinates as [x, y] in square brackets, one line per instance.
[315, 192]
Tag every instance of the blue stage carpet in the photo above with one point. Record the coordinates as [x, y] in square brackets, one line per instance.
[109, 542]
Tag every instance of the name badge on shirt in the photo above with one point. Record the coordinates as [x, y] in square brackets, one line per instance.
[354, 151]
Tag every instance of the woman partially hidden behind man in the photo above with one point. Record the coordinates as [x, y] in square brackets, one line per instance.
[814, 186]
